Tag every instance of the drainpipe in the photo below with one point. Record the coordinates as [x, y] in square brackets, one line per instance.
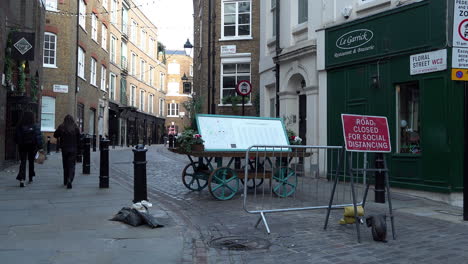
[209, 54]
[213, 68]
[75, 114]
[278, 52]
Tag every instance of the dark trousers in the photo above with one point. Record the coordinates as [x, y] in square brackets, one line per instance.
[68, 162]
[29, 153]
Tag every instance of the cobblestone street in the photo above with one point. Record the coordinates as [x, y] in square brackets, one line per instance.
[296, 237]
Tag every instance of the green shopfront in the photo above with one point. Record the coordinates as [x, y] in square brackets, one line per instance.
[378, 66]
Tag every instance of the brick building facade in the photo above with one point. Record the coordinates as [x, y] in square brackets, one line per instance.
[179, 89]
[21, 75]
[226, 52]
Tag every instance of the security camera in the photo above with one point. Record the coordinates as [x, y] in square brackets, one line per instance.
[346, 12]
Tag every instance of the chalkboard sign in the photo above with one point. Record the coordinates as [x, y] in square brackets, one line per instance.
[238, 133]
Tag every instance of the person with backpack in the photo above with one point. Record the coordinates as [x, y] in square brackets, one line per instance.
[69, 135]
[29, 139]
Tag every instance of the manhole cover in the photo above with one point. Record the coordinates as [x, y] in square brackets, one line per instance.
[239, 243]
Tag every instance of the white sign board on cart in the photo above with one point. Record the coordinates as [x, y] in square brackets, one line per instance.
[238, 133]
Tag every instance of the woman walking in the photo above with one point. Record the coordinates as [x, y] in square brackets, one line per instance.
[69, 135]
[29, 139]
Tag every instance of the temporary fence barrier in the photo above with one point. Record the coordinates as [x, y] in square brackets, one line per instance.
[294, 178]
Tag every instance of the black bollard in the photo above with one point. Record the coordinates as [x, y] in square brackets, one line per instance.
[87, 155]
[379, 190]
[104, 164]
[48, 145]
[79, 154]
[94, 143]
[139, 174]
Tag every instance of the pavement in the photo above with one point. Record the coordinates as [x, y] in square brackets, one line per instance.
[46, 223]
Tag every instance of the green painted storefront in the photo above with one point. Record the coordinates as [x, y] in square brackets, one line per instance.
[427, 149]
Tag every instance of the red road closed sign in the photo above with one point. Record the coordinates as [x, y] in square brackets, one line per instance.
[366, 133]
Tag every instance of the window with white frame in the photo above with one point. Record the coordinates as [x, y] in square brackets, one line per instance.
[92, 77]
[172, 109]
[113, 51]
[231, 74]
[51, 5]
[133, 70]
[50, 49]
[133, 34]
[150, 103]
[81, 62]
[172, 88]
[114, 5]
[82, 18]
[161, 107]
[94, 27]
[143, 40]
[162, 79]
[142, 100]
[104, 36]
[132, 95]
[151, 74]
[302, 11]
[103, 77]
[173, 68]
[236, 18]
[48, 114]
[124, 18]
[112, 85]
[151, 47]
[105, 4]
[142, 70]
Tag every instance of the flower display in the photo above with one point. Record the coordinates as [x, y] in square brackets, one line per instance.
[295, 140]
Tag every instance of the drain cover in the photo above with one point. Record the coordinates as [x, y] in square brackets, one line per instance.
[240, 243]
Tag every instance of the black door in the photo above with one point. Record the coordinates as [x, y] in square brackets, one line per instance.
[303, 118]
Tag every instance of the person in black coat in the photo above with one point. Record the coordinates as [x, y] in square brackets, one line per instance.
[69, 135]
[29, 139]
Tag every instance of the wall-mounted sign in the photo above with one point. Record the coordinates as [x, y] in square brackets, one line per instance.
[354, 42]
[460, 58]
[366, 133]
[428, 62]
[460, 24]
[459, 75]
[23, 45]
[228, 49]
[57, 88]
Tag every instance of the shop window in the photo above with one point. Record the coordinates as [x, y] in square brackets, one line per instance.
[408, 118]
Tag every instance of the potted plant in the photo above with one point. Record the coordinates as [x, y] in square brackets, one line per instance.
[190, 140]
[293, 138]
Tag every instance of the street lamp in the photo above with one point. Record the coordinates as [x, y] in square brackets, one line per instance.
[184, 78]
[188, 47]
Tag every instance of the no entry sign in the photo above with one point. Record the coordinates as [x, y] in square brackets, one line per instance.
[244, 88]
[366, 133]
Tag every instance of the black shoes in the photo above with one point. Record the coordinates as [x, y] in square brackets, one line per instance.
[69, 185]
[21, 184]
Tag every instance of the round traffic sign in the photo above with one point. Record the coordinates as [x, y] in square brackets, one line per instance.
[244, 88]
[463, 29]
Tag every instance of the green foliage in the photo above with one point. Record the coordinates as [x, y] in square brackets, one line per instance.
[21, 78]
[233, 100]
[193, 107]
[188, 138]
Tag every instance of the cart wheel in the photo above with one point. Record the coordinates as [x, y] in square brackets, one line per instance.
[223, 183]
[195, 177]
[285, 182]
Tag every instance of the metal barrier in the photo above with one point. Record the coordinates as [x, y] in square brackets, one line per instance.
[294, 178]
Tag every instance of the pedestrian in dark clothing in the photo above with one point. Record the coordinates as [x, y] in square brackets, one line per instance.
[69, 135]
[29, 139]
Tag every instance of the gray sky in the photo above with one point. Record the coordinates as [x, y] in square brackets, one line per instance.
[173, 18]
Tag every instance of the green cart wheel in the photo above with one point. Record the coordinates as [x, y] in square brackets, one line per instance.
[285, 182]
[223, 183]
[195, 176]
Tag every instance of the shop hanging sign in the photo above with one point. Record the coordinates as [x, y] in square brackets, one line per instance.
[366, 133]
[23, 46]
[428, 62]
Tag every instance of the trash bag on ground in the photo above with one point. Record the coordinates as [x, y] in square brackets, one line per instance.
[136, 217]
[129, 216]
